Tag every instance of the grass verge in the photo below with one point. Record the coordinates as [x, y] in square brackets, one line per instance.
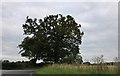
[78, 69]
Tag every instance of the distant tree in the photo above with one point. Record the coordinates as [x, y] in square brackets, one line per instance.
[98, 59]
[18, 62]
[116, 59]
[87, 63]
[6, 61]
[51, 39]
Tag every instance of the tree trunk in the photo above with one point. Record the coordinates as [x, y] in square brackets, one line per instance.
[55, 56]
[33, 61]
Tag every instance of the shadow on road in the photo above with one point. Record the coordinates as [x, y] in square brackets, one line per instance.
[18, 73]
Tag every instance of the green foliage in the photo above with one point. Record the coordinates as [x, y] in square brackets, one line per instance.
[51, 39]
[71, 59]
[16, 65]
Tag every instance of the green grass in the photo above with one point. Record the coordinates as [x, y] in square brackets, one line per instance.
[77, 69]
[56, 70]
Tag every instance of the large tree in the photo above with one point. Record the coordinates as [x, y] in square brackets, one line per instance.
[51, 39]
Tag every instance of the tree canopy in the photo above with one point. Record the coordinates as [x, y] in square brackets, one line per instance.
[51, 39]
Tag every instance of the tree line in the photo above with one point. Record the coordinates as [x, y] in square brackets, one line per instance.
[99, 60]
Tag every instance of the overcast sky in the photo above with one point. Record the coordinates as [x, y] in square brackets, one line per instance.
[99, 22]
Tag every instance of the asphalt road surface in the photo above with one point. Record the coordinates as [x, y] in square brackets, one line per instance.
[18, 73]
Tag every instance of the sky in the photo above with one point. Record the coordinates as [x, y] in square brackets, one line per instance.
[99, 22]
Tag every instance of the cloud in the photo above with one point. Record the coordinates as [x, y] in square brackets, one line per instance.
[14, 57]
[88, 55]
[60, 0]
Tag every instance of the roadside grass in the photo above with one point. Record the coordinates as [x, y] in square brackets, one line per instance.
[78, 69]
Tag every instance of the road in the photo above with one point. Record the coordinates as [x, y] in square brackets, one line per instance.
[18, 73]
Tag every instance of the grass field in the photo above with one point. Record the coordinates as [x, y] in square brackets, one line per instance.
[78, 69]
